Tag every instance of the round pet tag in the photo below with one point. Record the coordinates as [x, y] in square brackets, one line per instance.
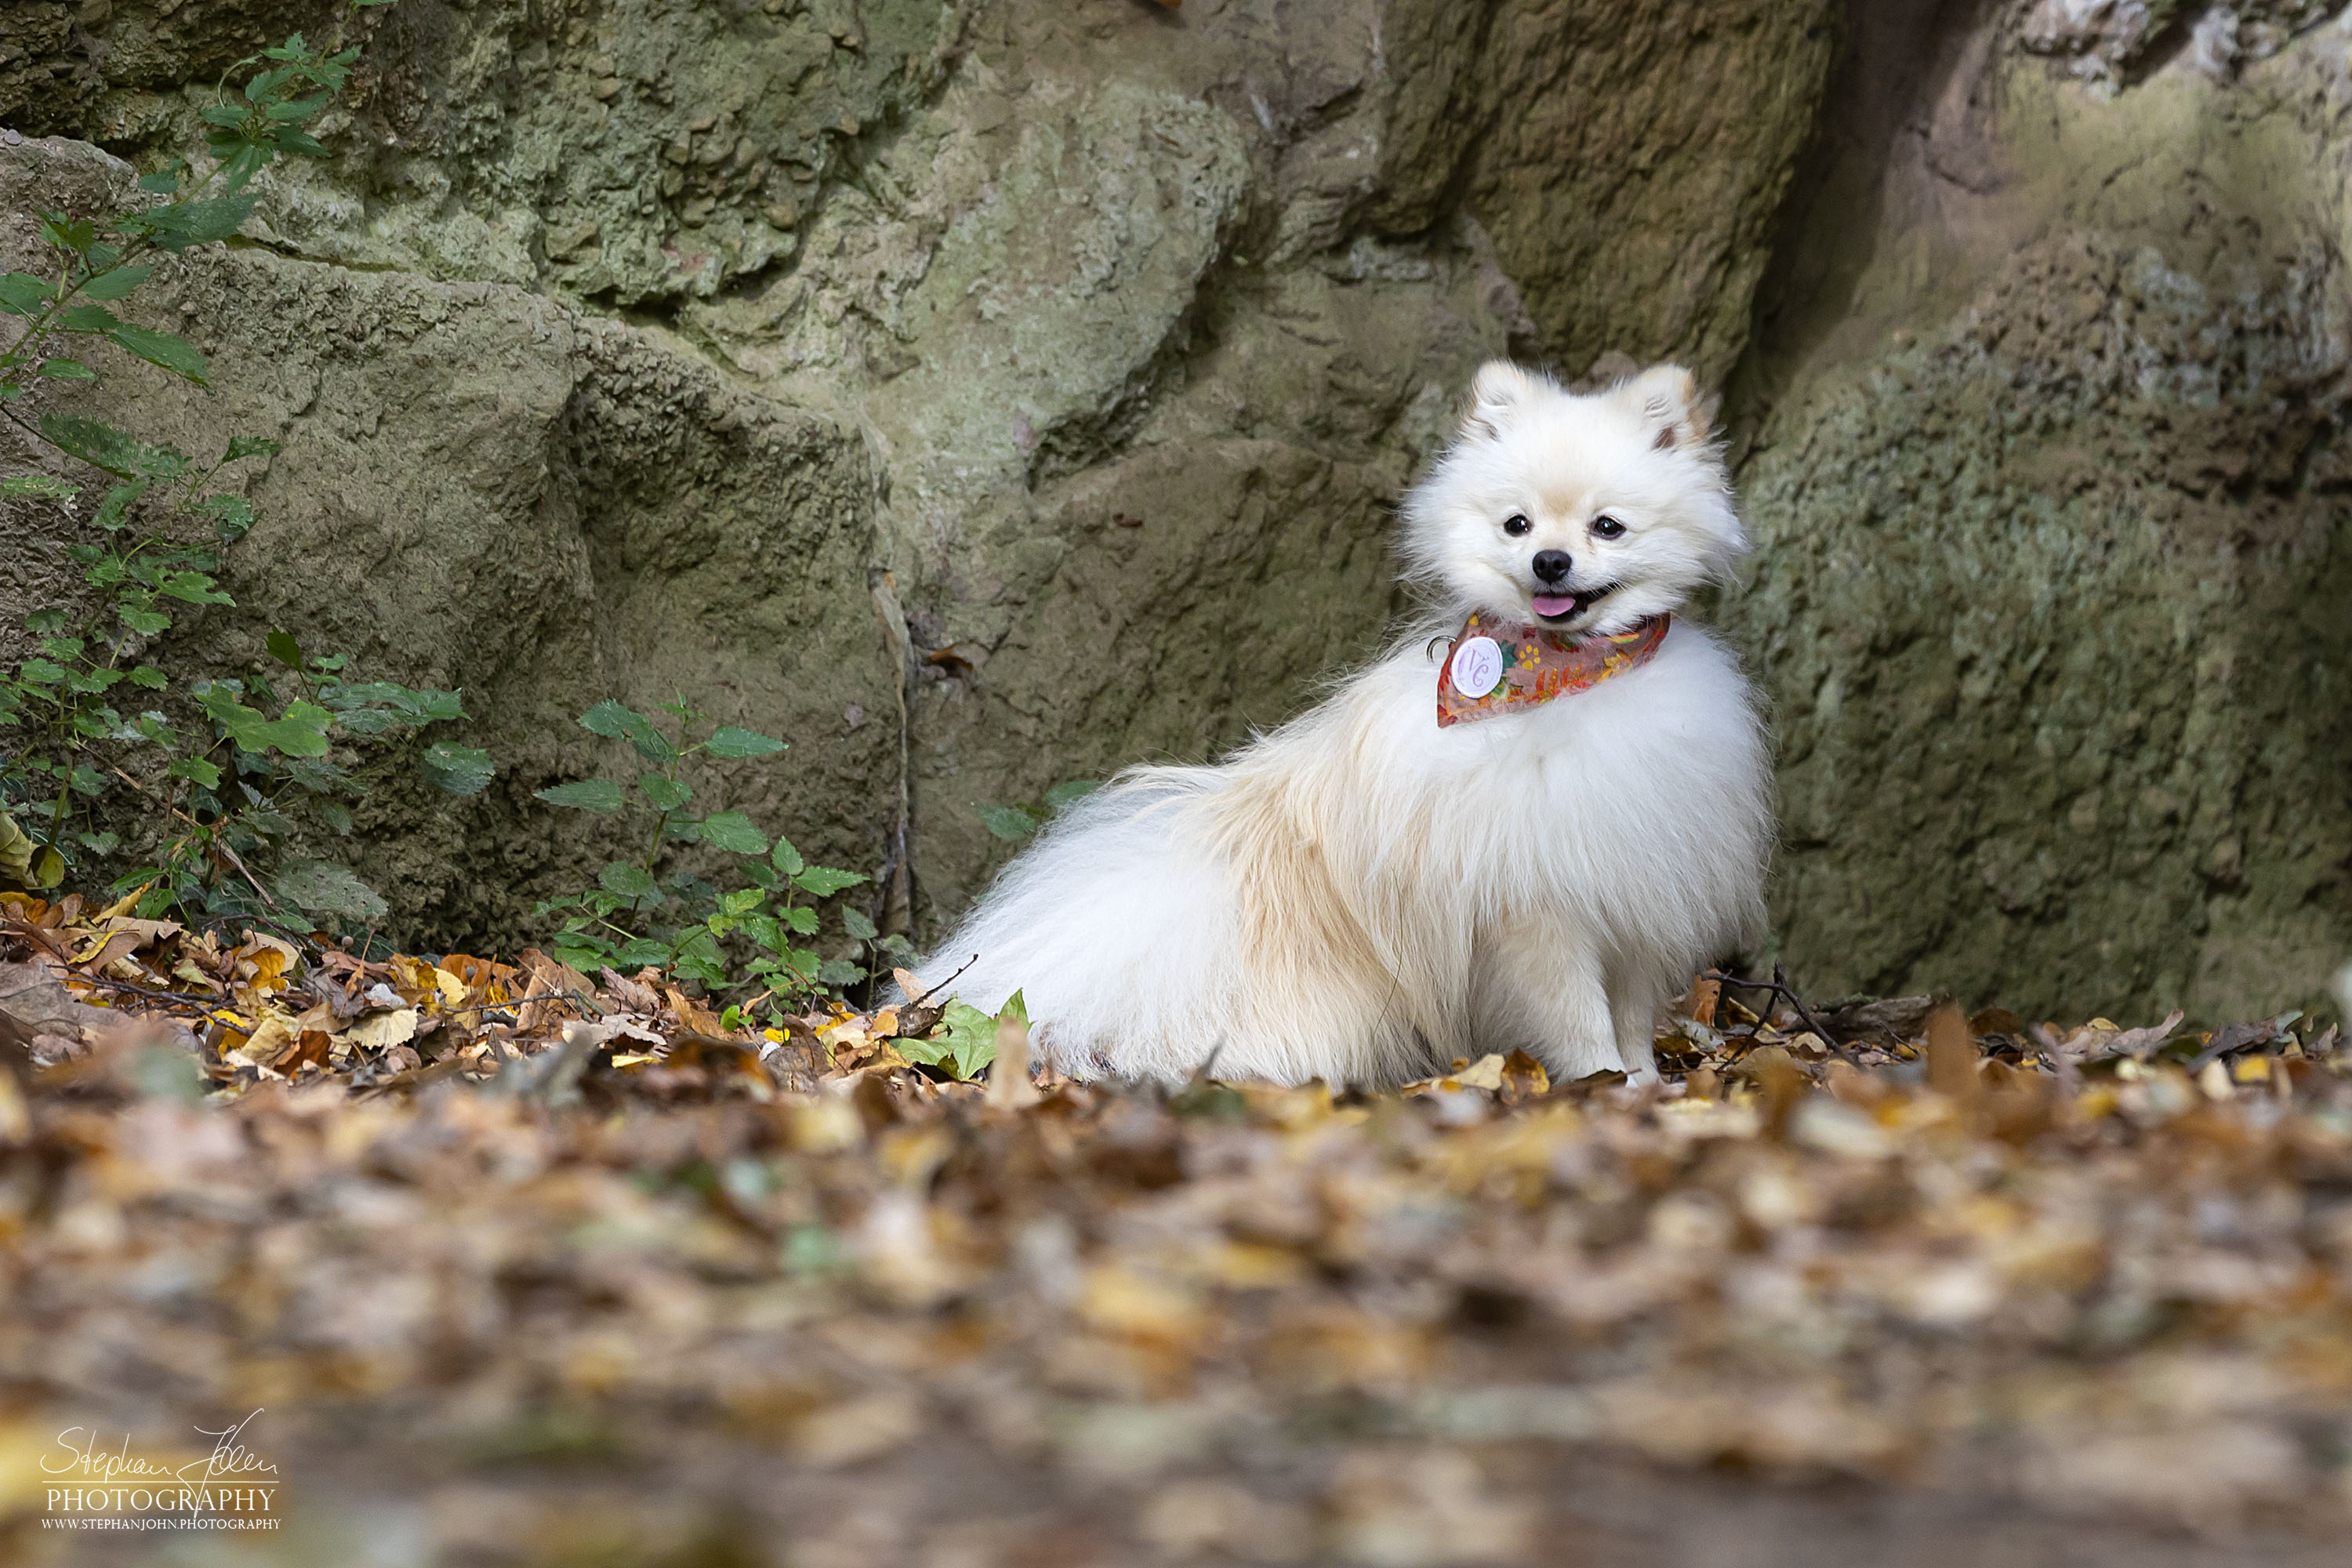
[1477, 667]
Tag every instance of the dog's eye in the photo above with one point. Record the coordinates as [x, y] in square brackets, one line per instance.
[1607, 528]
[1516, 523]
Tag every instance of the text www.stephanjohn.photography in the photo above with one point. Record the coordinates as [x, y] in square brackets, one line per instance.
[88, 1484]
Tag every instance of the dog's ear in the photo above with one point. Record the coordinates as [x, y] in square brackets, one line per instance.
[1499, 394]
[1667, 399]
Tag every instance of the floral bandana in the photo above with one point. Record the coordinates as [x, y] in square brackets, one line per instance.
[1497, 668]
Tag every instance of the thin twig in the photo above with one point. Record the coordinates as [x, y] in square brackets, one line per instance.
[1779, 986]
[218, 842]
[204, 1003]
[935, 990]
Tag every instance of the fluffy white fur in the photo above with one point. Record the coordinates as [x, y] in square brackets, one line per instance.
[1362, 897]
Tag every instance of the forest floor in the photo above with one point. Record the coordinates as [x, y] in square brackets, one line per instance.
[502, 1264]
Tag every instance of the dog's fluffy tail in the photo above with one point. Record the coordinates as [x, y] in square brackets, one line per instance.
[1117, 927]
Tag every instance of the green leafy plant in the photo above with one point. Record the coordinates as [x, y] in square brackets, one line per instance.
[1015, 822]
[240, 772]
[965, 1043]
[756, 934]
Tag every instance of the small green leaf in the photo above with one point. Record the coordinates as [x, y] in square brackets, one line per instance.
[197, 770]
[802, 921]
[1069, 791]
[243, 447]
[639, 952]
[42, 485]
[173, 351]
[616, 722]
[839, 972]
[192, 587]
[624, 881]
[857, 924]
[161, 182]
[114, 285]
[114, 511]
[735, 832]
[588, 795]
[185, 224]
[22, 294]
[144, 619]
[969, 1037]
[86, 319]
[66, 370]
[459, 769]
[102, 445]
[299, 109]
[667, 795]
[284, 648]
[322, 887]
[301, 732]
[77, 235]
[727, 741]
[232, 516]
[1007, 822]
[149, 677]
[923, 1053]
[786, 859]
[824, 880]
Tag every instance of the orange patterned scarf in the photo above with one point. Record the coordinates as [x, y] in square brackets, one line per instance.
[1497, 668]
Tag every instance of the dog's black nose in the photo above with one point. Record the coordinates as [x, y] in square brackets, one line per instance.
[1551, 565]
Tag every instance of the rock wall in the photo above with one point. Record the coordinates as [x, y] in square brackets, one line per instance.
[1063, 359]
[2047, 468]
[482, 487]
[1065, 354]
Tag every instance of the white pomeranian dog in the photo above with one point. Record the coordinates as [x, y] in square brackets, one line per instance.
[1524, 828]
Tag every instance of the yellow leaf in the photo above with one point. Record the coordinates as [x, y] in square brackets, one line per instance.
[272, 1038]
[1486, 1072]
[381, 1031]
[125, 904]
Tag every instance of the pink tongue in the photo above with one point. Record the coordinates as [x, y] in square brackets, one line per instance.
[1555, 604]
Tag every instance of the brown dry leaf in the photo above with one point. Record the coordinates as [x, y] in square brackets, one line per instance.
[1143, 1310]
[1009, 1087]
[1783, 1084]
[1951, 1056]
[1699, 1004]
